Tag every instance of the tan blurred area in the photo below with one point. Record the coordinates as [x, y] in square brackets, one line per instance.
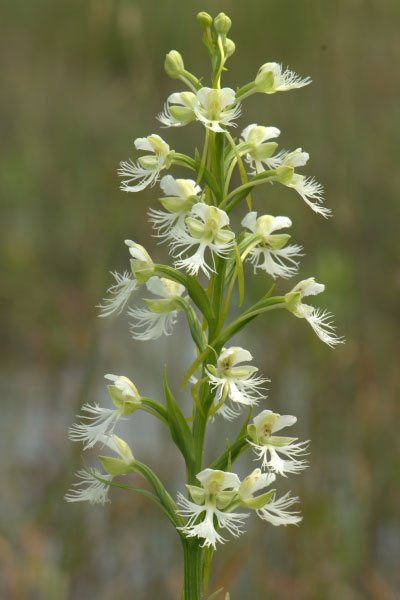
[81, 79]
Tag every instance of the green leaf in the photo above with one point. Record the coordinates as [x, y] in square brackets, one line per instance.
[240, 275]
[180, 430]
[244, 426]
[230, 454]
[215, 594]
[193, 322]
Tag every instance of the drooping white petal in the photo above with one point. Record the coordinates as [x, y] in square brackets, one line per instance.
[276, 513]
[120, 292]
[92, 490]
[99, 422]
[148, 325]
[205, 529]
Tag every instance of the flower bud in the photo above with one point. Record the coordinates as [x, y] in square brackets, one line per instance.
[204, 19]
[222, 23]
[173, 65]
[229, 47]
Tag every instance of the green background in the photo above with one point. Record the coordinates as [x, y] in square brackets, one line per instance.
[81, 80]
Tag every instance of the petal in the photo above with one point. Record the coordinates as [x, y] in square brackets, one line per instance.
[156, 287]
[280, 223]
[283, 421]
[259, 418]
[143, 144]
[249, 221]
[227, 97]
[169, 186]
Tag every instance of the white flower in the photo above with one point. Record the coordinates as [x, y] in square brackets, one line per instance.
[215, 108]
[125, 386]
[205, 226]
[93, 490]
[253, 483]
[265, 505]
[120, 447]
[320, 320]
[178, 110]
[276, 513]
[270, 79]
[212, 108]
[160, 316]
[100, 422]
[120, 293]
[271, 253]
[211, 504]
[240, 384]
[259, 155]
[141, 264]
[142, 268]
[148, 167]
[181, 195]
[309, 189]
[269, 447]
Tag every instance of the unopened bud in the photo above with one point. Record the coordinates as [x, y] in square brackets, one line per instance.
[173, 65]
[204, 19]
[229, 47]
[222, 23]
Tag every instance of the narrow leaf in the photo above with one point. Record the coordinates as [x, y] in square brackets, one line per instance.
[240, 275]
[180, 430]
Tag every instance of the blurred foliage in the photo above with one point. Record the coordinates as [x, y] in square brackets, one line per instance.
[80, 80]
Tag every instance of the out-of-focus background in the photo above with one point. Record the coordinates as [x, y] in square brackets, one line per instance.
[81, 79]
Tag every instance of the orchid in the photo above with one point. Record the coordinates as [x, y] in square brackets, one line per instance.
[259, 150]
[320, 320]
[269, 447]
[181, 195]
[160, 316]
[207, 238]
[206, 227]
[271, 252]
[148, 167]
[239, 383]
[272, 78]
[99, 422]
[211, 500]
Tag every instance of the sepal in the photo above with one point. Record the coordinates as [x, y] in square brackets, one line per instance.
[123, 402]
[115, 466]
[225, 498]
[197, 493]
[252, 431]
[284, 174]
[258, 501]
[292, 300]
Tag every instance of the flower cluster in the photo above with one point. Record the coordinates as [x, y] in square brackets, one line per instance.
[208, 255]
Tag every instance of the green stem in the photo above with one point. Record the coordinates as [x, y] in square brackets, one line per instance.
[249, 185]
[193, 556]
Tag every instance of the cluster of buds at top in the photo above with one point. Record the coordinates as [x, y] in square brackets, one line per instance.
[194, 219]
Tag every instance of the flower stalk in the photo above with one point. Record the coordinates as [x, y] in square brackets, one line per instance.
[209, 262]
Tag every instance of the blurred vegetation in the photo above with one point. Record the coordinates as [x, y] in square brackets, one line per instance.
[80, 80]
